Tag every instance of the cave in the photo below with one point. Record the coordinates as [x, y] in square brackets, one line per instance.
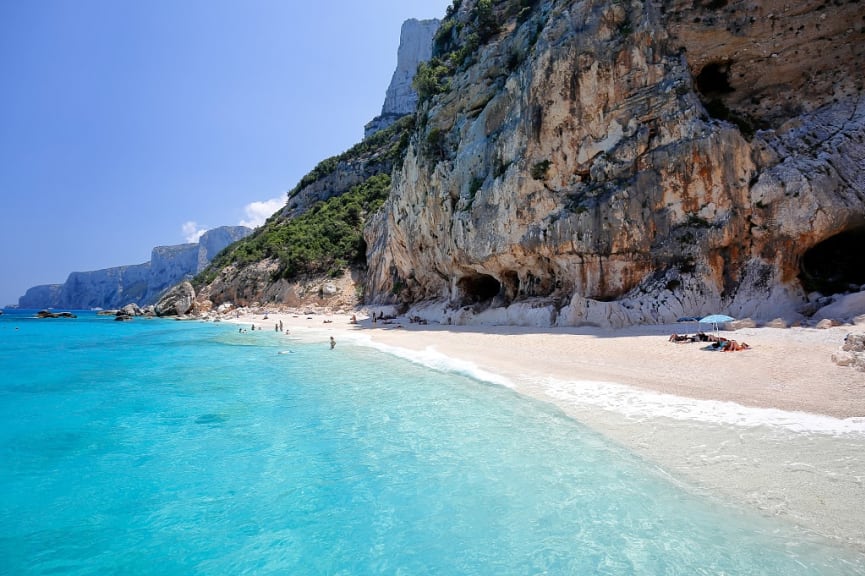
[714, 80]
[477, 288]
[836, 265]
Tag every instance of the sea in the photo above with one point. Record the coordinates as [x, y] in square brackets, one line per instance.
[165, 447]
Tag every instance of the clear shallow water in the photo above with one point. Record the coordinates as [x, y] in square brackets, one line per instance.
[160, 447]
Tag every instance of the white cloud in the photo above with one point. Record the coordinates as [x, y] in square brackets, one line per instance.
[192, 232]
[258, 212]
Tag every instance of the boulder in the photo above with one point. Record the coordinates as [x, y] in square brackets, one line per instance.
[130, 310]
[844, 307]
[177, 301]
[852, 352]
[854, 343]
[742, 323]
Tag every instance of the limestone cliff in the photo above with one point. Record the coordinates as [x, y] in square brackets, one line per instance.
[415, 46]
[596, 162]
[139, 284]
[42, 296]
[625, 162]
[107, 288]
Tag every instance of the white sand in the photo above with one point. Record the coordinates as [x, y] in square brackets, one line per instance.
[779, 428]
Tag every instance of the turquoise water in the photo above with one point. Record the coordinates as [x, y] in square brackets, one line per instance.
[161, 447]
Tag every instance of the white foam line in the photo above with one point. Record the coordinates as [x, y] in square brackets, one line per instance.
[435, 360]
[636, 403]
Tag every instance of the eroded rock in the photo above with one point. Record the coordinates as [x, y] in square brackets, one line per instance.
[177, 301]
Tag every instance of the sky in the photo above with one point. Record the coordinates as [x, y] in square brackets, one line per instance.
[128, 125]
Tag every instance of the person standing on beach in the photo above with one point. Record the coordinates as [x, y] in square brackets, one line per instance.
[332, 342]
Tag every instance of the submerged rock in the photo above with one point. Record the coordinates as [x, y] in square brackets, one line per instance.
[49, 314]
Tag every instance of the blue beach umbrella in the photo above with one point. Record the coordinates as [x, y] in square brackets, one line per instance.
[715, 319]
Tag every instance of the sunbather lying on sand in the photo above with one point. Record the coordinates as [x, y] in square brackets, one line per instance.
[680, 338]
[733, 346]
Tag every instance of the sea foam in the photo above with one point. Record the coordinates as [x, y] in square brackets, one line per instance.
[632, 402]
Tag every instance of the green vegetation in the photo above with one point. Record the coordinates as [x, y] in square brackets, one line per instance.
[325, 239]
[453, 8]
[474, 187]
[431, 79]
[436, 146]
[459, 37]
[501, 168]
[539, 170]
[393, 141]
[485, 19]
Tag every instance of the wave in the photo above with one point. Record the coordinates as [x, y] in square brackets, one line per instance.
[633, 402]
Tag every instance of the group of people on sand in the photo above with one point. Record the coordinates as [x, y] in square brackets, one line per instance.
[718, 342]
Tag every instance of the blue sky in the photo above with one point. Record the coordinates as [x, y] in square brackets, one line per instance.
[127, 125]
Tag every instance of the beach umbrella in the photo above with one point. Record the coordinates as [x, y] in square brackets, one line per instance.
[715, 319]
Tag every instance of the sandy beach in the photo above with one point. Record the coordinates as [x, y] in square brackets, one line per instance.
[779, 428]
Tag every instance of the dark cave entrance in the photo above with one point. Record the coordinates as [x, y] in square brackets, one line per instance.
[714, 89]
[478, 288]
[713, 83]
[714, 80]
[836, 265]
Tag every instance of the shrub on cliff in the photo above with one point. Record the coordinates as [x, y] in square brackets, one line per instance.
[325, 239]
[388, 146]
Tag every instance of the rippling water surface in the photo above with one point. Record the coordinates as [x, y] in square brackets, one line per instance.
[161, 447]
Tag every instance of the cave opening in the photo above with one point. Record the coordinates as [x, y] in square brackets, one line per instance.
[714, 87]
[836, 265]
[714, 80]
[477, 288]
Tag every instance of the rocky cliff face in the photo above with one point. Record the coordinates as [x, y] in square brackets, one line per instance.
[625, 162]
[415, 46]
[44, 296]
[139, 284]
[168, 266]
[107, 288]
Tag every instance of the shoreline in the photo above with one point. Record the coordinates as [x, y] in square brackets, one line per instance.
[779, 428]
[788, 369]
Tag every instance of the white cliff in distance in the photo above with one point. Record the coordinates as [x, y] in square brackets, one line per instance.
[415, 46]
[140, 284]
